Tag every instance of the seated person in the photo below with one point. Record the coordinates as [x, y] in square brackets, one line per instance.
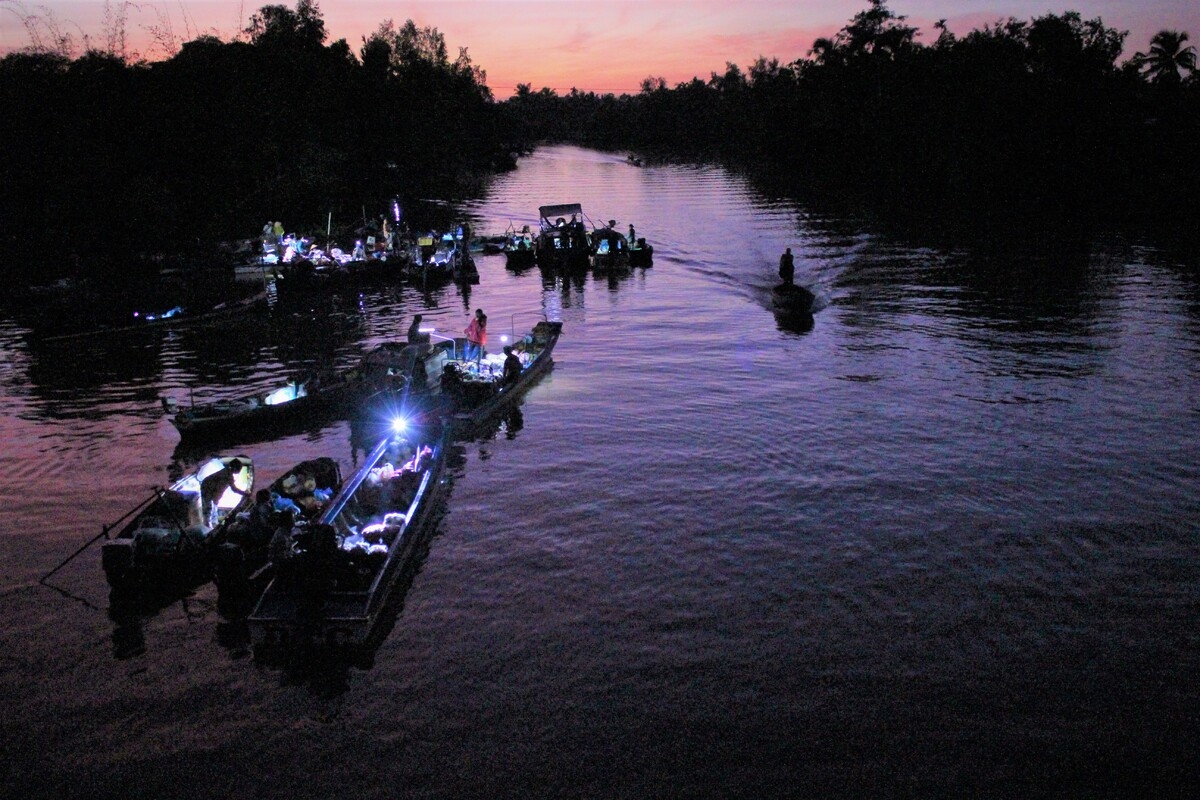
[451, 386]
[512, 366]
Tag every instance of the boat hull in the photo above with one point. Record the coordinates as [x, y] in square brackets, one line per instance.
[249, 415]
[166, 543]
[792, 299]
[336, 603]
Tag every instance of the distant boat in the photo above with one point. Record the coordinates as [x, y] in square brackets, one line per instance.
[641, 254]
[609, 249]
[561, 241]
[175, 317]
[519, 250]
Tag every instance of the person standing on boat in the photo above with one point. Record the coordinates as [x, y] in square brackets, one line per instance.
[214, 486]
[787, 267]
[632, 235]
[476, 333]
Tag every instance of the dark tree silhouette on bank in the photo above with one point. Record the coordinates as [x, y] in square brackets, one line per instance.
[112, 166]
[1168, 60]
[1020, 123]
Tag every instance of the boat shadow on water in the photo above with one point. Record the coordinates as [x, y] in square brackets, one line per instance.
[130, 610]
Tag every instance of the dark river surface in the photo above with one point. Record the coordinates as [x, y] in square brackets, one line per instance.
[942, 540]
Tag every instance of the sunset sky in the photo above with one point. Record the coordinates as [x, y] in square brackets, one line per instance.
[586, 44]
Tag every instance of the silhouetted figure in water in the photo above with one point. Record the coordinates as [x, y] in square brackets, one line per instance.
[787, 267]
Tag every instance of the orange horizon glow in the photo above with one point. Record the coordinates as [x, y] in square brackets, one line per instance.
[566, 44]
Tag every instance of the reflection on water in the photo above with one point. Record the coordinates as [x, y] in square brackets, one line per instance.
[937, 539]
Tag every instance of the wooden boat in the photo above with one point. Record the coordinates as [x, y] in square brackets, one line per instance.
[472, 392]
[166, 540]
[792, 299]
[240, 548]
[561, 242]
[333, 586]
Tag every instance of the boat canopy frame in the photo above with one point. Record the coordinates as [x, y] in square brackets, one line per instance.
[562, 210]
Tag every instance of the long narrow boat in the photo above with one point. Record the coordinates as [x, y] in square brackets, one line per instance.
[383, 370]
[293, 401]
[166, 540]
[334, 584]
[177, 317]
[473, 392]
[240, 549]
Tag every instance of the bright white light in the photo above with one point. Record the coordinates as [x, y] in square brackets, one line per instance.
[427, 330]
[399, 424]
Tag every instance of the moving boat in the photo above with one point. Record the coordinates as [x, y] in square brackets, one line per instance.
[792, 299]
[166, 542]
[332, 585]
[240, 548]
[562, 241]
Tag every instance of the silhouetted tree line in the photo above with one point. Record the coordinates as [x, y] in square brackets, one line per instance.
[1033, 119]
[104, 160]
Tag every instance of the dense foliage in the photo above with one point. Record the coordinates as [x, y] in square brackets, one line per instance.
[1027, 120]
[106, 159]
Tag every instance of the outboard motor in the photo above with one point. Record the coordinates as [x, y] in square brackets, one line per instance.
[117, 558]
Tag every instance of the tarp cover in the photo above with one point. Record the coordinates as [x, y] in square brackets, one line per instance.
[565, 210]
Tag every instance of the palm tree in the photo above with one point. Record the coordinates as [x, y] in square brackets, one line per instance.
[1167, 59]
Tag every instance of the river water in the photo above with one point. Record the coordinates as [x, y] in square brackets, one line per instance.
[941, 539]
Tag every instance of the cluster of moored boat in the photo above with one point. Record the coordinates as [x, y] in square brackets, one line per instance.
[296, 264]
[312, 556]
[563, 242]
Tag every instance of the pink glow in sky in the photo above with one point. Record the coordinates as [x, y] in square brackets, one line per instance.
[589, 44]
